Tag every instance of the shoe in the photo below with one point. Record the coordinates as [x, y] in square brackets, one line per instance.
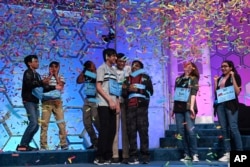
[96, 160]
[133, 161]
[64, 147]
[225, 157]
[195, 158]
[145, 160]
[186, 158]
[99, 162]
[107, 162]
[25, 148]
[21, 148]
[115, 161]
[125, 161]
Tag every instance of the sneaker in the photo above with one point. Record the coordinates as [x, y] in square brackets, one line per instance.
[186, 158]
[133, 161]
[107, 162]
[195, 158]
[25, 148]
[21, 148]
[145, 160]
[225, 157]
[96, 160]
[125, 160]
[115, 161]
[99, 162]
[64, 147]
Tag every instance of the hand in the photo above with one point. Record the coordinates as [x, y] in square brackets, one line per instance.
[193, 115]
[216, 77]
[172, 115]
[46, 81]
[232, 73]
[59, 87]
[50, 72]
[132, 88]
[124, 86]
[112, 104]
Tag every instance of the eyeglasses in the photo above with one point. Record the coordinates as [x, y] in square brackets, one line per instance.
[224, 66]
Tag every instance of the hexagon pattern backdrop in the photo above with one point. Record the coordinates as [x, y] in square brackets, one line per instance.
[64, 36]
[72, 37]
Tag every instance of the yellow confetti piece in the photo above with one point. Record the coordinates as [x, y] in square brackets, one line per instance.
[178, 136]
[218, 127]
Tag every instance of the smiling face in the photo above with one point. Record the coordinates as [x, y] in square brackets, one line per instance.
[120, 63]
[111, 59]
[225, 68]
[188, 68]
[136, 66]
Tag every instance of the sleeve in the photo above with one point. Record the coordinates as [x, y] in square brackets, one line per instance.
[148, 91]
[150, 86]
[62, 79]
[100, 74]
[194, 86]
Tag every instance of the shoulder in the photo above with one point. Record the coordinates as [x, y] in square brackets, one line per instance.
[178, 78]
[28, 72]
[194, 78]
[101, 67]
[146, 76]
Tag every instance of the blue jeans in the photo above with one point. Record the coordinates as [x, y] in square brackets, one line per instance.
[186, 132]
[33, 115]
[229, 126]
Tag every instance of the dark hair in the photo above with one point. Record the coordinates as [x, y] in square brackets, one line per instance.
[108, 52]
[87, 65]
[138, 61]
[121, 56]
[54, 63]
[28, 59]
[230, 64]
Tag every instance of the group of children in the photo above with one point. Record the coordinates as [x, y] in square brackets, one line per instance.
[117, 93]
[122, 96]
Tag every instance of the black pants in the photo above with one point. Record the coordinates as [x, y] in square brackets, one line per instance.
[107, 118]
[137, 121]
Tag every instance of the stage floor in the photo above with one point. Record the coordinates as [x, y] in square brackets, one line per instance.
[151, 164]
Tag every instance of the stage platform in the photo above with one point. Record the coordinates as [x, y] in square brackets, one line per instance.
[209, 151]
[151, 164]
[77, 158]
